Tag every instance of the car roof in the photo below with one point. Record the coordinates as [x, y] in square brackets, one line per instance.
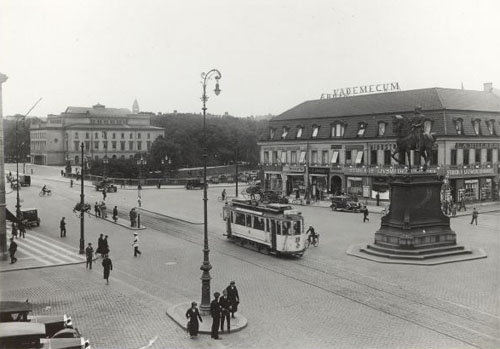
[14, 307]
[63, 343]
[17, 328]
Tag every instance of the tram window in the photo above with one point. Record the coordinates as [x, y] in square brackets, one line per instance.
[232, 217]
[296, 228]
[240, 219]
[268, 227]
[258, 223]
[273, 226]
[278, 227]
[249, 221]
[286, 228]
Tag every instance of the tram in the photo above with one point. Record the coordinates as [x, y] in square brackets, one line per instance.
[275, 228]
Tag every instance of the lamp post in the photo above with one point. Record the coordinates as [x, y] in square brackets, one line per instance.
[166, 162]
[82, 205]
[205, 267]
[18, 201]
[140, 163]
[105, 162]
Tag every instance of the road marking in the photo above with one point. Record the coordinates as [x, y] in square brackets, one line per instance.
[150, 343]
[171, 263]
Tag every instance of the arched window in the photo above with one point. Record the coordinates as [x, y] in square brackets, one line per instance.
[381, 128]
[315, 131]
[491, 127]
[459, 126]
[475, 126]
[361, 129]
[284, 133]
[271, 133]
[299, 131]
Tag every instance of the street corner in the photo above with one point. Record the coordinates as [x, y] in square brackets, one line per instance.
[178, 314]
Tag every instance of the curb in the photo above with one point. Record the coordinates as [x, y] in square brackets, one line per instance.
[171, 217]
[41, 266]
[121, 224]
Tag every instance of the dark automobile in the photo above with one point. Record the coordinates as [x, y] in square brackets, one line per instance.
[194, 184]
[345, 203]
[28, 335]
[103, 184]
[30, 217]
[25, 180]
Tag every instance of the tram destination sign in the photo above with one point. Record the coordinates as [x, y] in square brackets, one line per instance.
[359, 90]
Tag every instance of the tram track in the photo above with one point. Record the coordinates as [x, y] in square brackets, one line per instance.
[477, 329]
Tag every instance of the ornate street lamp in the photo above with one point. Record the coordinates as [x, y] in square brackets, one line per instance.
[205, 267]
[140, 162]
[82, 207]
[105, 162]
[166, 162]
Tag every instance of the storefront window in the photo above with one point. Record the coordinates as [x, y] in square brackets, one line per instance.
[373, 157]
[453, 157]
[471, 189]
[466, 157]
[486, 192]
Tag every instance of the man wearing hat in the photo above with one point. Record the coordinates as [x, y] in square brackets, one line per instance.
[135, 244]
[89, 252]
[234, 297]
[215, 310]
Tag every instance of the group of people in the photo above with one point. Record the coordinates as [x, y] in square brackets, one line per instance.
[100, 210]
[222, 309]
[107, 264]
[450, 207]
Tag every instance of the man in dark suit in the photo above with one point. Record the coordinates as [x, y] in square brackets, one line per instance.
[234, 298]
[215, 310]
[225, 311]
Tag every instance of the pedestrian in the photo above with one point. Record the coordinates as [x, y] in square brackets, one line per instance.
[193, 315]
[100, 245]
[89, 252]
[365, 214]
[103, 208]
[97, 210]
[62, 226]
[135, 244]
[71, 183]
[474, 216]
[377, 197]
[105, 245]
[104, 194]
[22, 229]
[139, 186]
[108, 266]
[462, 204]
[115, 214]
[133, 216]
[62, 173]
[234, 297]
[225, 312]
[139, 201]
[14, 230]
[215, 311]
[12, 251]
[453, 209]
[223, 195]
[159, 184]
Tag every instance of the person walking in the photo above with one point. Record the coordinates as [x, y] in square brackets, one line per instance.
[97, 210]
[365, 214]
[115, 214]
[62, 226]
[108, 266]
[100, 246]
[474, 216]
[462, 204]
[22, 229]
[225, 312]
[133, 217]
[12, 251]
[103, 208]
[71, 183]
[14, 230]
[223, 194]
[193, 315]
[234, 297]
[453, 209]
[377, 197]
[104, 194]
[105, 245]
[215, 311]
[135, 244]
[89, 252]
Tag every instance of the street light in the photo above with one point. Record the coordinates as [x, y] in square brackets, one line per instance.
[82, 207]
[140, 162]
[205, 267]
[166, 161]
[105, 162]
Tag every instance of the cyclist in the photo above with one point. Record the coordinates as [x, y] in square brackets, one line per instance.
[45, 190]
[312, 236]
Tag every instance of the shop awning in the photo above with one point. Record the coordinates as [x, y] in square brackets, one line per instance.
[11, 217]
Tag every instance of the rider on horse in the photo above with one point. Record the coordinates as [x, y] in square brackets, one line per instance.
[417, 126]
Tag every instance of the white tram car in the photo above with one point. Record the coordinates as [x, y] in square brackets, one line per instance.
[273, 227]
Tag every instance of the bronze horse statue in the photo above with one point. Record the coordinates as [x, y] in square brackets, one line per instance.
[411, 137]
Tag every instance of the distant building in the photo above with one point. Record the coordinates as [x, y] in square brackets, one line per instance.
[135, 107]
[106, 132]
[344, 145]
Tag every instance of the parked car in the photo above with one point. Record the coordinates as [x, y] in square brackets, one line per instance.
[345, 203]
[30, 217]
[194, 184]
[25, 180]
[100, 185]
[28, 335]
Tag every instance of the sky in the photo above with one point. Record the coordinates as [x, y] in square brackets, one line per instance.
[272, 54]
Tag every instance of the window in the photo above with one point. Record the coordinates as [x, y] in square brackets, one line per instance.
[113, 145]
[373, 157]
[76, 145]
[477, 155]
[338, 129]
[324, 157]
[122, 145]
[359, 157]
[240, 219]
[96, 157]
[458, 126]
[489, 155]
[139, 145]
[258, 223]
[271, 133]
[130, 145]
[96, 145]
[266, 157]
[114, 135]
[348, 155]
[87, 135]
[475, 126]
[381, 128]
[274, 157]
[427, 126]
[491, 128]
[315, 131]
[122, 135]
[76, 135]
[361, 129]
[148, 145]
[299, 132]
[434, 157]
[284, 132]
[302, 157]
[294, 157]
[387, 157]
[139, 135]
[314, 156]
[96, 135]
[283, 157]
[149, 135]
[335, 157]
[453, 157]
[87, 145]
[105, 144]
[466, 157]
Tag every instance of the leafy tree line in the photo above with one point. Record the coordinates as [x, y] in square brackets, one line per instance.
[23, 138]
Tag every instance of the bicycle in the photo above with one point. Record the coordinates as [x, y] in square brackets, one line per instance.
[45, 193]
[315, 241]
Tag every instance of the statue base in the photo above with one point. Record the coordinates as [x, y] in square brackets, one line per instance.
[415, 228]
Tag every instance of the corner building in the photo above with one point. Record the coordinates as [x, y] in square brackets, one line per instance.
[113, 133]
[344, 145]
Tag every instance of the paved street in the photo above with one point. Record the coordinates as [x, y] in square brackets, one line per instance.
[327, 299]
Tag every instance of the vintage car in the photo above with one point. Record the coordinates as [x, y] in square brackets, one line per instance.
[194, 184]
[20, 312]
[30, 217]
[345, 203]
[103, 184]
[28, 335]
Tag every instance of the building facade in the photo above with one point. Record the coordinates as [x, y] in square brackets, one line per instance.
[345, 145]
[113, 133]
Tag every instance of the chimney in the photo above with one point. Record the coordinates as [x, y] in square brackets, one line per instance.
[488, 87]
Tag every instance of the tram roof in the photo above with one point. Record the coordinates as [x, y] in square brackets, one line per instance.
[249, 205]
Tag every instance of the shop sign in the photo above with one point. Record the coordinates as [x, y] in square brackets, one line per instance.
[357, 90]
[366, 191]
[294, 168]
[336, 146]
[470, 171]
[319, 170]
[477, 145]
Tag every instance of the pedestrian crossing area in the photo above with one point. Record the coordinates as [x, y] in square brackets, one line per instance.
[39, 251]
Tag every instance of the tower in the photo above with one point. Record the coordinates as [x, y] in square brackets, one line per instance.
[135, 107]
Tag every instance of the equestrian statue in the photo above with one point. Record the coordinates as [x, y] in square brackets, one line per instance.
[410, 135]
